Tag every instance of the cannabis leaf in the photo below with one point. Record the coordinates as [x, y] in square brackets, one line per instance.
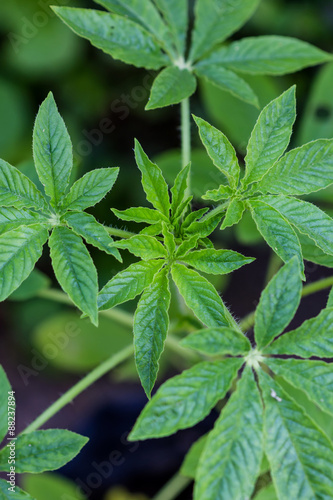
[259, 417]
[171, 250]
[28, 217]
[153, 35]
[273, 180]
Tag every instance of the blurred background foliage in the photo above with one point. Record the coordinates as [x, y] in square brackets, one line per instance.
[102, 102]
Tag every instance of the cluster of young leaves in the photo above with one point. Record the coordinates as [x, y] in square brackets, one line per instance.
[168, 246]
[28, 217]
[153, 35]
[273, 181]
[259, 417]
[35, 452]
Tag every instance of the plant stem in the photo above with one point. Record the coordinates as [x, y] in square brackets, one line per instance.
[83, 384]
[186, 138]
[314, 287]
[173, 488]
[120, 233]
[115, 314]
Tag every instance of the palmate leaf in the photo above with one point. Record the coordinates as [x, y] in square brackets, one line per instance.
[151, 323]
[52, 150]
[220, 151]
[307, 218]
[20, 249]
[301, 171]
[153, 182]
[267, 55]
[270, 136]
[300, 455]
[75, 270]
[17, 190]
[128, 284]
[175, 13]
[313, 338]
[226, 470]
[12, 218]
[216, 261]
[276, 230]
[234, 213]
[185, 399]
[116, 35]
[41, 451]
[18, 494]
[140, 214]
[171, 86]
[313, 377]
[90, 189]
[145, 247]
[217, 341]
[215, 20]
[200, 296]
[278, 303]
[5, 388]
[95, 234]
[228, 81]
[144, 13]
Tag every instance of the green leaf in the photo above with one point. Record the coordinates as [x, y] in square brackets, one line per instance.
[41, 451]
[222, 193]
[140, 214]
[191, 461]
[53, 486]
[301, 171]
[142, 12]
[225, 471]
[313, 253]
[75, 270]
[153, 181]
[127, 284]
[31, 287]
[5, 388]
[90, 189]
[153, 230]
[205, 226]
[278, 303]
[193, 216]
[313, 377]
[17, 190]
[276, 230]
[200, 296]
[116, 35]
[186, 246]
[270, 136]
[95, 234]
[218, 341]
[234, 213]
[52, 150]
[171, 86]
[216, 20]
[313, 338]
[12, 218]
[145, 247]
[300, 455]
[216, 261]
[186, 399]
[220, 151]
[151, 323]
[307, 218]
[178, 191]
[228, 81]
[18, 494]
[169, 240]
[19, 251]
[268, 55]
[266, 493]
[330, 299]
[175, 13]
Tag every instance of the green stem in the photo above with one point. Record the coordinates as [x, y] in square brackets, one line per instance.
[186, 132]
[116, 314]
[173, 488]
[83, 384]
[317, 286]
[119, 233]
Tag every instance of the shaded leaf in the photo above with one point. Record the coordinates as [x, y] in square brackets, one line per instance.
[191, 461]
[18, 494]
